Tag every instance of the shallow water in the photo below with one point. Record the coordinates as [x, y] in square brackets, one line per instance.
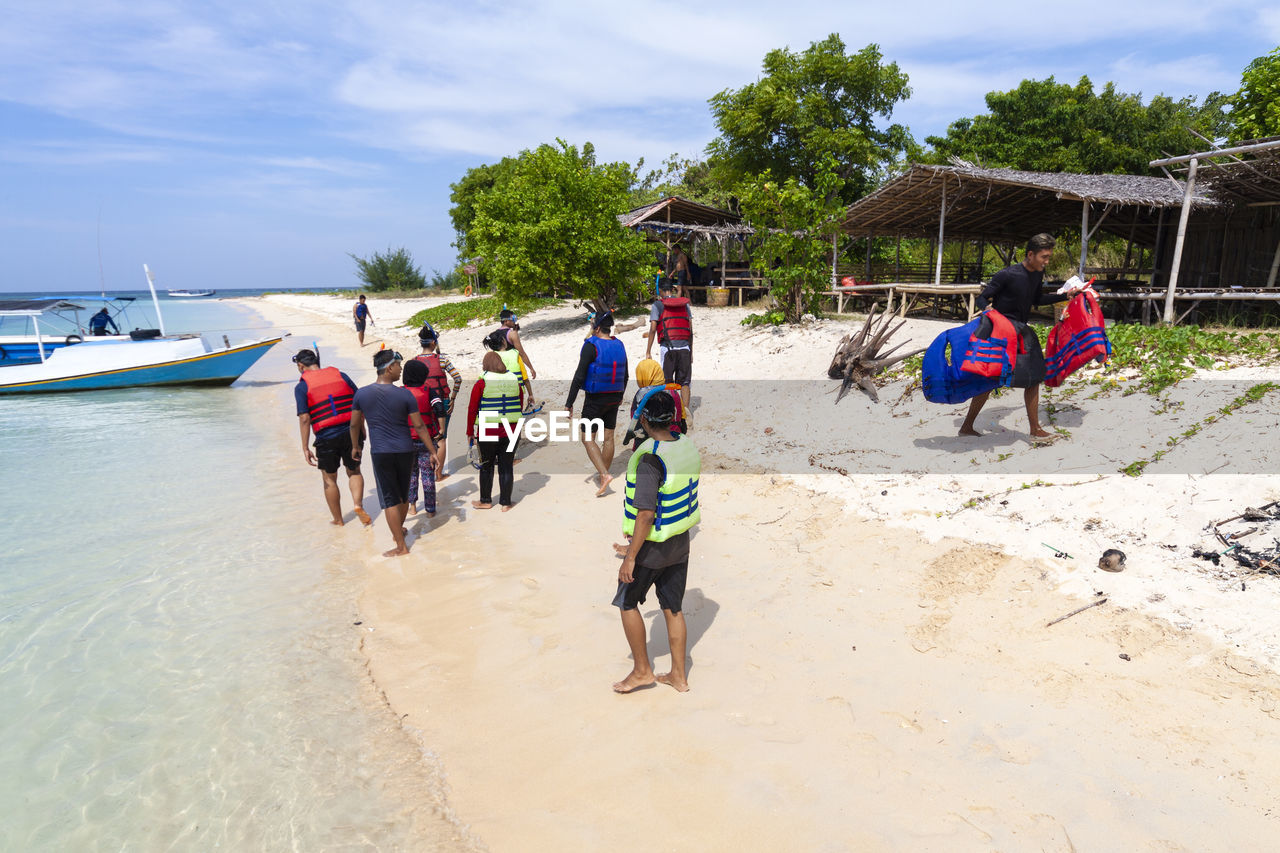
[179, 668]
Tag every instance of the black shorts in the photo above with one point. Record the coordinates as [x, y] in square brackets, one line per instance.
[604, 407]
[670, 581]
[391, 471]
[332, 450]
[678, 366]
[359, 325]
[1029, 370]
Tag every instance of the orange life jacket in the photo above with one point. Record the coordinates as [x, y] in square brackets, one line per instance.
[994, 355]
[437, 379]
[328, 398]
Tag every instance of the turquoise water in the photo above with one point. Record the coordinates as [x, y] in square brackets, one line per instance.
[179, 663]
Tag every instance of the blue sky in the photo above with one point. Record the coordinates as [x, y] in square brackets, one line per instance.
[237, 144]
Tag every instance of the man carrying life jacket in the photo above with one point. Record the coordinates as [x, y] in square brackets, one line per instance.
[440, 371]
[1013, 292]
[323, 396]
[660, 506]
[602, 374]
[671, 322]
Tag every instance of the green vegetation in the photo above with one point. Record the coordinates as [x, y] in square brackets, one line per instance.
[547, 223]
[768, 318]
[1164, 355]
[1255, 109]
[390, 270]
[1253, 395]
[812, 114]
[457, 315]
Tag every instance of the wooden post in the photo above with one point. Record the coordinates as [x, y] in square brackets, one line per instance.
[1155, 252]
[1084, 235]
[868, 258]
[835, 277]
[1182, 236]
[942, 222]
[897, 259]
[1275, 267]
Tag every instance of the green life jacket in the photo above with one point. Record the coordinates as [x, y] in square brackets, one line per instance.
[678, 508]
[500, 398]
[511, 358]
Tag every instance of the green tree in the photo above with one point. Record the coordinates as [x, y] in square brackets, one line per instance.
[551, 225]
[688, 178]
[794, 224]
[1255, 109]
[392, 270]
[470, 187]
[1046, 126]
[810, 106]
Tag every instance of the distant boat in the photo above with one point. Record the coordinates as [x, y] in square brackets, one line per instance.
[33, 363]
[191, 293]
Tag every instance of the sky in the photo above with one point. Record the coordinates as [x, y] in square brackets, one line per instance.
[259, 144]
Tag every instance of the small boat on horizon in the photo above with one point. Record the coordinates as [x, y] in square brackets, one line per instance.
[191, 294]
[51, 361]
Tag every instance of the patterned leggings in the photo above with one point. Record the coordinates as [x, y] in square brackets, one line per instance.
[424, 469]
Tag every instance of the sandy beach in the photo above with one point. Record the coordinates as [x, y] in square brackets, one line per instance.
[868, 601]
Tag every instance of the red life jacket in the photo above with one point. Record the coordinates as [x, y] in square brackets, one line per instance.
[675, 323]
[328, 398]
[1077, 340]
[995, 355]
[423, 396]
[437, 380]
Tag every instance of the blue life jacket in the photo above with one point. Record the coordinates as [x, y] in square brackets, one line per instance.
[608, 373]
[941, 376]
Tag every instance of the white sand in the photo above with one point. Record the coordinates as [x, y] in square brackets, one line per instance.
[959, 722]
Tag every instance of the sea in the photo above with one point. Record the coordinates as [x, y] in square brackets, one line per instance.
[180, 663]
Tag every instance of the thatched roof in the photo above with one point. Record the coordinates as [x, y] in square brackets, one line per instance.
[1249, 179]
[1009, 204]
[675, 217]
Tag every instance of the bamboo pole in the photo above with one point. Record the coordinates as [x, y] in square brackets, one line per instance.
[942, 222]
[1182, 236]
[1084, 235]
[1275, 267]
[835, 279]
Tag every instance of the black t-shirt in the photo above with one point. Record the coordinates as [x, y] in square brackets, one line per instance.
[1015, 290]
[656, 555]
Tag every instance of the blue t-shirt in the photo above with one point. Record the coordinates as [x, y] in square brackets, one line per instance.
[386, 410]
[300, 399]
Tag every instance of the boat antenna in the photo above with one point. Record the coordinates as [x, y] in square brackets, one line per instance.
[102, 279]
[151, 285]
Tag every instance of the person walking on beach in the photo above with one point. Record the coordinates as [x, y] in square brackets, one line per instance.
[360, 312]
[671, 323]
[510, 331]
[98, 323]
[659, 508]
[387, 408]
[602, 374]
[495, 402]
[323, 401]
[649, 375]
[1013, 292]
[425, 463]
[440, 370]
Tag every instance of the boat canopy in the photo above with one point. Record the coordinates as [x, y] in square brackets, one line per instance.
[35, 307]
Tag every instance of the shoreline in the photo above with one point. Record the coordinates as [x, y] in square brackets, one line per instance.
[467, 639]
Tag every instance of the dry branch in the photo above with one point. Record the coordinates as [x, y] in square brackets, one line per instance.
[859, 357]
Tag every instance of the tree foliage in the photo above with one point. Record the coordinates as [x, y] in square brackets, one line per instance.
[792, 245]
[688, 178]
[390, 270]
[1255, 109]
[808, 107]
[548, 223]
[466, 192]
[1046, 126]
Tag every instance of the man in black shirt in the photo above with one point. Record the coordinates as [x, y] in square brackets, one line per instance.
[1013, 292]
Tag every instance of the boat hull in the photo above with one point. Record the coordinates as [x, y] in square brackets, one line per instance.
[133, 364]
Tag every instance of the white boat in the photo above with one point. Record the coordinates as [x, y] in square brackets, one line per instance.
[191, 294]
[142, 357]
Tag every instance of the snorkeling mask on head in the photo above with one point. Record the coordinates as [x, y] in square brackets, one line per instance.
[655, 418]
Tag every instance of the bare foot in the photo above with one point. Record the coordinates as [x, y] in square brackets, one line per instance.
[1040, 433]
[441, 476]
[337, 522]
[396, 552]
[633, 682]
[479, 505]
[413, 509]
[968, 430]
[431, 515]
[681, 686]
[507, 507]
[363, 516]
[605, 480]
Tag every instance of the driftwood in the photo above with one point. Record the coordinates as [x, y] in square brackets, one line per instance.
[860, 356]
[1077, 610]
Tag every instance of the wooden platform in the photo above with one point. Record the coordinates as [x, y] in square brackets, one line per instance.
[940, 299]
